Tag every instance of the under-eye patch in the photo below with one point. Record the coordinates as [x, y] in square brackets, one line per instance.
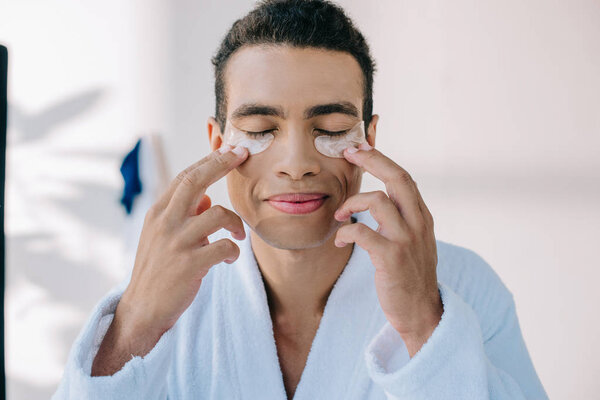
[333, 145]
[254, 142]
[330, 144]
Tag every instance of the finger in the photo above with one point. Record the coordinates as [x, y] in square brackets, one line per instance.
[194, 183]
[214, 253]
[398, 182]
[168, 193]
[163, 201]
[359, 233]
[203, 205]
[391, 223]
[424, 209]
[210, 221]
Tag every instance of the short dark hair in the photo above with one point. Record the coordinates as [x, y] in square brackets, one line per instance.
[299, 23]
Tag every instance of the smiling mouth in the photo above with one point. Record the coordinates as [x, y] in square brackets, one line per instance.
[297, 203]
[297, 197]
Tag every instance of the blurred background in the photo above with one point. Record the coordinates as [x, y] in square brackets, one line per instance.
[493, 107]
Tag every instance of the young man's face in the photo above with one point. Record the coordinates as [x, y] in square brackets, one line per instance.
[288, 83]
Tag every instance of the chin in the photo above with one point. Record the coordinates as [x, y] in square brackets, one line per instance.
[295, 235]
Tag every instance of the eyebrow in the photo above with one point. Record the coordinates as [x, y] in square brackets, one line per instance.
[343, 107]
[249, 109]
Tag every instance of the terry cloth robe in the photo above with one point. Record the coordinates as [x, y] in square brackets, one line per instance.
[223, 347]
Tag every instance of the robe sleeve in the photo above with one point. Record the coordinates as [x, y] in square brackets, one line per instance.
[456, 362]
[140, 378]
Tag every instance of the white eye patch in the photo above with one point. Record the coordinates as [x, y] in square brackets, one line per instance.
[333, 146]
[254, 144]
[328, 145]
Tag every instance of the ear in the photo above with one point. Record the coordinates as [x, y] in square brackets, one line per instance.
[214, 134]
[372, 130]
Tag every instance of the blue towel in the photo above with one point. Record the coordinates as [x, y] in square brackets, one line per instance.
[131, 174]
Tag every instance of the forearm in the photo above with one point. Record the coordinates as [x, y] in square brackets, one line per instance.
[119, 346]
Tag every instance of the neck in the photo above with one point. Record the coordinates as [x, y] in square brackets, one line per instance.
[298, 282]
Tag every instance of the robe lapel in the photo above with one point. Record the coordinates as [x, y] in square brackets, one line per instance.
[251, 329]
[350, 319]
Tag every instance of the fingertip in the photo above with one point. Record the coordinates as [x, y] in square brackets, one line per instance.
[237, 151]
[239, 235]
[340, 216]
[225, 148]
[365, 146]
[231, 156]
[350, 150]
[232, 259]
[349, 154]
[335, 215]
[240, 151]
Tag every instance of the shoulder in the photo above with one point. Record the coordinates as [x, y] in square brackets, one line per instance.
[471, 277]
[458, 265]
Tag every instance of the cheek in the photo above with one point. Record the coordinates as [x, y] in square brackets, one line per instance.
[241, 184]
[354, 180]
[234, 189]
[350, 176]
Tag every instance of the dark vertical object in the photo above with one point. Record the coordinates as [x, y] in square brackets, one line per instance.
[3, 80]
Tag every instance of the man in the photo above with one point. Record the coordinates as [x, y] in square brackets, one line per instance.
[331, 293]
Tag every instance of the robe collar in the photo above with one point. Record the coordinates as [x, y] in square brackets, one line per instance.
[351, 317]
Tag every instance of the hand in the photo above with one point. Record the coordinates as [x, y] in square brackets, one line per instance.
[173, 256]
[403, 249]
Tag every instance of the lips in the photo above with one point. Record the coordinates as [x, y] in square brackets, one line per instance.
[297, 203]
[297, 197]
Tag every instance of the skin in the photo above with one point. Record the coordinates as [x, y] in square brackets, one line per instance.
[296, 254]
[299, 256]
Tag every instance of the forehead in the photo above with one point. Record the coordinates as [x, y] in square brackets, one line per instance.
[292, 77]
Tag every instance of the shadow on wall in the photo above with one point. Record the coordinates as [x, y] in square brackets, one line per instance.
[36, 126]
[47, 226]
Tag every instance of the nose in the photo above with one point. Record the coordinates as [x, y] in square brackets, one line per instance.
[296, 155]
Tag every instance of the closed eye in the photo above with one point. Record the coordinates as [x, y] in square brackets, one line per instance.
[326, 132]
[261, 133]
[332, 133]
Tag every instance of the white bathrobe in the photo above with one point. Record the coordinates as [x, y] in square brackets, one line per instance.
[223, 346]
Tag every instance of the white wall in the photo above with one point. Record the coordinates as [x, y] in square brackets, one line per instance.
[492, 106]
[84, 79]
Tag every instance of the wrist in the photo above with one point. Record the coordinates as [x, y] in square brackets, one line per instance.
[126, 337]
[421, 330]
[133, 331]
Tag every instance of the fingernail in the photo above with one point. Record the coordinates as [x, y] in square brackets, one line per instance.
[352, 150]
[365, 146]
[224, 149]
[339, 216]
[239, 150]
[339, 243]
